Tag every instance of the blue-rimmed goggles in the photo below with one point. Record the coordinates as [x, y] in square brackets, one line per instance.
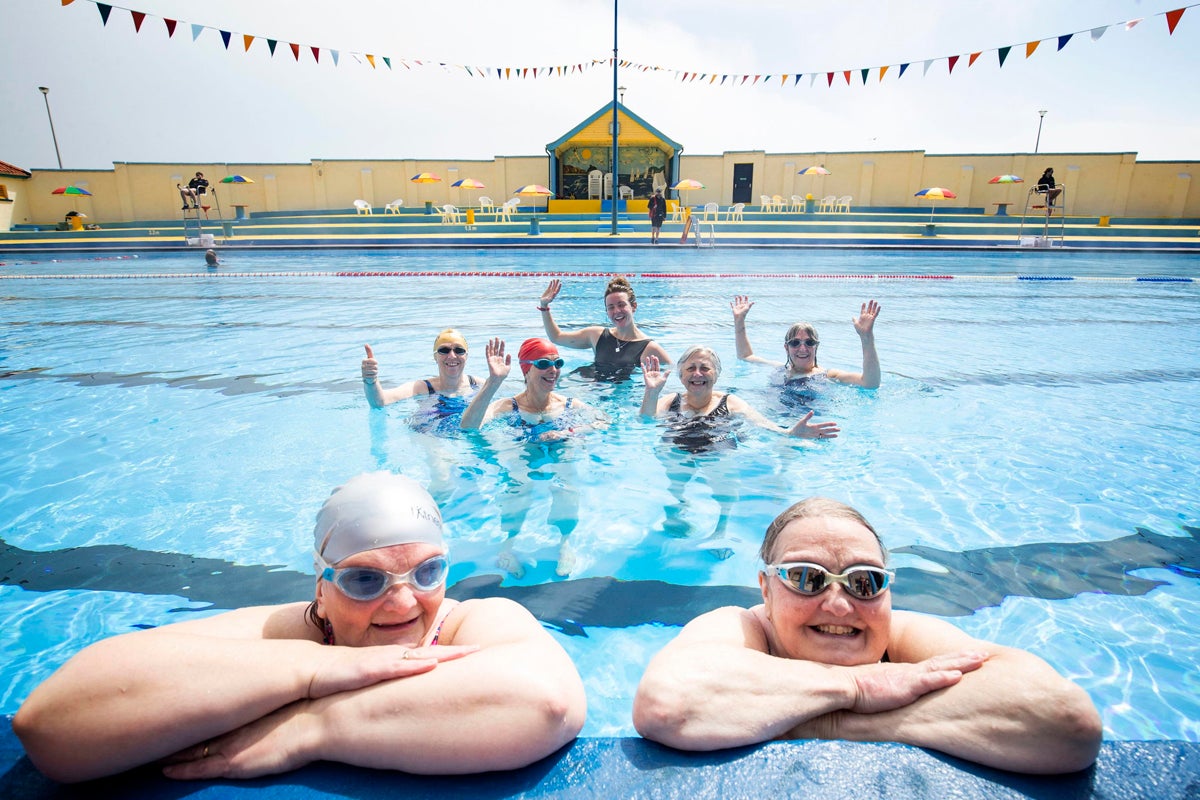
[368, 583]
[545, 363]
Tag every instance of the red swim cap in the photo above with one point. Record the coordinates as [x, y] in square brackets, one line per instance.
[532, 350]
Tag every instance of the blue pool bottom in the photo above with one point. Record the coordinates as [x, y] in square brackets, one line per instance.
[634, 768]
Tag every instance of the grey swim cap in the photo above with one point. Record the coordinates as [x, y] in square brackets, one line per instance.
[373, 510]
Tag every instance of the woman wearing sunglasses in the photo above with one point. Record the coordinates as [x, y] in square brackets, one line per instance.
[618, 350]
[800, 345]
[540, 416]
[450, 390]
[380, 670]
[825, 657]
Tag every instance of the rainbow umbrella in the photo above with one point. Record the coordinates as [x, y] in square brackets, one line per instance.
[687, 185]
[236, 179]
[935, 193]
[815, 170]
[72, 192]
[534, 190]
[425, 177]
[468, 183]
[1006, 179]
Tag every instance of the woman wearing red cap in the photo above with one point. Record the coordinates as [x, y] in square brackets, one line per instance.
[619, 349]
[541, 415]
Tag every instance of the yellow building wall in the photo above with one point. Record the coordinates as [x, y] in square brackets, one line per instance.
[1097, 183]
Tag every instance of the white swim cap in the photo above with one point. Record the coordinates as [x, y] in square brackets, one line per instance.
[373, 510]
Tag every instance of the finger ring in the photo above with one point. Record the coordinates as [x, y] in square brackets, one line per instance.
[407, 654]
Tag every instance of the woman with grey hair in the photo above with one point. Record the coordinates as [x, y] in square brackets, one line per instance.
[824, 656]
[700, 418]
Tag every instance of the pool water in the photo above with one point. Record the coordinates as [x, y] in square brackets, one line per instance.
[1032, 456]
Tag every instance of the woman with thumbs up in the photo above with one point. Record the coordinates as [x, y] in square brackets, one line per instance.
[449, 392]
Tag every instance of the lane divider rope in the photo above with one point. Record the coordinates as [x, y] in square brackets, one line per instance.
[639, 275]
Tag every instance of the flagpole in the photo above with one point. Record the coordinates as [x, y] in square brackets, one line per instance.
[615, 129]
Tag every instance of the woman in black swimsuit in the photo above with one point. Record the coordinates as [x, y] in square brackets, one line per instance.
[700, 420]
[619, 349]
[452, 387]
[697, 416]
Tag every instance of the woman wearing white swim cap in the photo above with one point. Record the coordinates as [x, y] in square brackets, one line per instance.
[380, 670]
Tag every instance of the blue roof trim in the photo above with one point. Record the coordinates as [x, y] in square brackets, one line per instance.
[606, 110]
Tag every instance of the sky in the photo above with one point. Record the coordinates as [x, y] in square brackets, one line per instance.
[117, 95]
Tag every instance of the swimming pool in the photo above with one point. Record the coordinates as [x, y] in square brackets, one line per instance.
[1031, 458]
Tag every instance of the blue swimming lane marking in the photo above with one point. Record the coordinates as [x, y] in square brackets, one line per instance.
[1045, 278]
[1164, 280]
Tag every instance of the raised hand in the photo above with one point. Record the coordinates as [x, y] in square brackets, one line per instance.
[653, 376]
[370, 367]
[814, 430]
[499, 364]
[864, 323]
[551, 292]
[741, 306]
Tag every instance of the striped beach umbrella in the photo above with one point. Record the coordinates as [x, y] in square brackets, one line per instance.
[935, 193]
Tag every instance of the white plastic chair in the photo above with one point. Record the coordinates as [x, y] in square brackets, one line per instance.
[658, 182]
[797, 203]
[712, 210]
[734, 214]
[608, 186]
[505, 210]
[595, 179]
[764, 202]
[777, 204]
[828, 202]
[394, 206]
[362, 207]
[625, 192]
[449, 215]
[676, 209]
[843, 203]
[486, 206]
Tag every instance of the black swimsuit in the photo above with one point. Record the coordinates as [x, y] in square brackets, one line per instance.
[616, 359]
[704, 432]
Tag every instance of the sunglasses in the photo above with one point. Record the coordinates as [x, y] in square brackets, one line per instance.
[367, 583]
[805, 342]
[447, 350]
[545, 363]
[863, 582]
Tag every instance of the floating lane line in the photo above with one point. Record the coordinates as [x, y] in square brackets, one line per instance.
[212, 274]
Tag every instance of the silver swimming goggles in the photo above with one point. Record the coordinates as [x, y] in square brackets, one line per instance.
[862, 581]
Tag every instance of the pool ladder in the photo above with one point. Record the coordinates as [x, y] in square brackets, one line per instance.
[700, 231]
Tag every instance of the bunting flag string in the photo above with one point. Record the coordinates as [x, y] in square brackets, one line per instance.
[738, 79]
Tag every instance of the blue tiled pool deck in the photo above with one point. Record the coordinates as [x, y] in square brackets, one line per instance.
[634, 768]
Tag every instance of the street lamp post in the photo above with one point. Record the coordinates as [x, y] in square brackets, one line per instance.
[1041, 116]
[616, 127]
[45, 90]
